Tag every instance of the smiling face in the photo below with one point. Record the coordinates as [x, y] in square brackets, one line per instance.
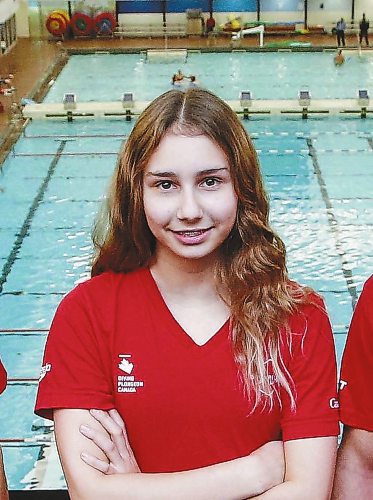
[189, 200]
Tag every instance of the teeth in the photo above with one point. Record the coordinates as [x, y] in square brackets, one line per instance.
[190, 233]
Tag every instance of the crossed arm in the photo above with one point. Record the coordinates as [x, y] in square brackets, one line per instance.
[354, 473]
[91, 473]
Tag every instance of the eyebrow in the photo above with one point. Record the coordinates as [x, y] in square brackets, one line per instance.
[209, 171]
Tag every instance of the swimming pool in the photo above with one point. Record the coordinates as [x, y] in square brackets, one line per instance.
[273, 75]
[319, 176]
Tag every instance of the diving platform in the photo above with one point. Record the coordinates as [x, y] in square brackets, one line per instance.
[256, 107]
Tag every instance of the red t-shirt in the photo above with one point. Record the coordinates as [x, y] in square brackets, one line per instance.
[356, 395]
[210, 24]
[2, 378]
[114, 343]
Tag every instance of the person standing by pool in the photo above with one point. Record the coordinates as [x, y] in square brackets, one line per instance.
[340, 32]
[364, 27]
[3, 481]
[189, 365]
[354, 473]
[210, 25]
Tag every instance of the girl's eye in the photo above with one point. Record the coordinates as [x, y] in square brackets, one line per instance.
[166, 185]
[211, 182]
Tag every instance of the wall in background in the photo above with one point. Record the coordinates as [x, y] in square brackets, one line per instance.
[324, 12]
[7, 9]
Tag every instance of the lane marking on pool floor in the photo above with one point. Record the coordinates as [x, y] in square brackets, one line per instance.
[301, 135]
[334, 226]
[77, 153]
[29, 217]
[73, 137]
[24, 332]
[342, 150]
[259, 151]
[306, 151]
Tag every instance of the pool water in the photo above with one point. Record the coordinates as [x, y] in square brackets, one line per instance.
[274, 75]
[318, 173]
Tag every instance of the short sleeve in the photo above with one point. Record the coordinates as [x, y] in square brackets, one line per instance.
[76, 363]
[355, 393]
[2, 378]
[312, 367]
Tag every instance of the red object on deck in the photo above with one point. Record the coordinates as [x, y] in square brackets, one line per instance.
[104, 23]
[81, 24]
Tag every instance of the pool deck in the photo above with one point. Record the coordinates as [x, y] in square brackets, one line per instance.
[30, 59]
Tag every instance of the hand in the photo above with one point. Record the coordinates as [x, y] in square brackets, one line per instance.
[116, 447]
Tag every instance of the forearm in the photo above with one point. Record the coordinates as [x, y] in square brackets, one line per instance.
[293, 490]
[95, 468]
[238, 479]
[309, 473]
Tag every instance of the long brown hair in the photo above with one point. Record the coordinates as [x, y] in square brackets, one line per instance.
[252, 268]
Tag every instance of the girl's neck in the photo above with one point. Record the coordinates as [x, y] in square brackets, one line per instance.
[183, 277]
[191, 295]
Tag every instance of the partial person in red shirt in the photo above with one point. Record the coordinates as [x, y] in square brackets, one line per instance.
[3, 378]
[3, 481]
[210, 24]
[189, 365]
[354, 474]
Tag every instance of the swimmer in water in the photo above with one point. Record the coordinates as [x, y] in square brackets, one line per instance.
[339, 58]
[177, 77]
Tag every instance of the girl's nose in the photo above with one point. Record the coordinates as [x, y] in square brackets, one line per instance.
[189, 207]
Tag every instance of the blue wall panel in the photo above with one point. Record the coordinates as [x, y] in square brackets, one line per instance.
[234, 5]
[183, 5]
[281, 5]
[150, 6]
[218, 5]
[144, 6]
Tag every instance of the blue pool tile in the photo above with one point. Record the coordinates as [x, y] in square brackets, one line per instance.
[39, 276]
[52, 243]
[22, 354]
[339, 306]
[66, 214]
[339, 341]
[18, 461]
[28, 311]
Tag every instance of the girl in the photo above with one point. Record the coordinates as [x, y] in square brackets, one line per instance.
[190, 331]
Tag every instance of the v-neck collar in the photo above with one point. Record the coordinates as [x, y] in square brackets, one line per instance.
[170, 322]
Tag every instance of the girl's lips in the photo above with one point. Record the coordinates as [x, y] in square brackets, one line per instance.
[192, 236]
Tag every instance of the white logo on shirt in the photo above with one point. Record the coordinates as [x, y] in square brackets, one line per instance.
[127, 383]
[44, 370]
[334, 403]
[125, 365]
[342, 384]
